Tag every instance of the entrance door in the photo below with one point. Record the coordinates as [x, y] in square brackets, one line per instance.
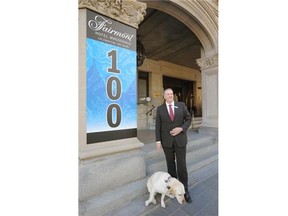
[183, 91]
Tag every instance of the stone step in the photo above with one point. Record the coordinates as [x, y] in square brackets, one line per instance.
[137, 206]
[200, 151]
[213, 132]
[195, 160]
[192, 146]
[108, 201]
[194, 141]
[201, 158]
[196, 122]
[196, 153]
[197, 119]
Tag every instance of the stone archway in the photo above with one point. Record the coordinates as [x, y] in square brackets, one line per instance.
[195, 16]
[201, 17]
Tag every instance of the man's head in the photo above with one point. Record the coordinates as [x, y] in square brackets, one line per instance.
[168, 95]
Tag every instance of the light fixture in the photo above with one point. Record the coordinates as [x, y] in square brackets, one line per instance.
[148, 99]
[140, 52]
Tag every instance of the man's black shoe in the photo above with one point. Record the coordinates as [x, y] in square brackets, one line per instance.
[188, 197]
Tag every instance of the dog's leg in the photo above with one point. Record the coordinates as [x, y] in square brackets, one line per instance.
[151, 198]
[162, 201]
[154, 200]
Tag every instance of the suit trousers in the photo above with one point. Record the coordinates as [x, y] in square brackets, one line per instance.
[180, 163]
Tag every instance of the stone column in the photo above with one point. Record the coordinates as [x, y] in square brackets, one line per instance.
[107, 165]
[209, 73]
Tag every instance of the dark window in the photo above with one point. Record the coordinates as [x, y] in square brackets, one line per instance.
[143, 86]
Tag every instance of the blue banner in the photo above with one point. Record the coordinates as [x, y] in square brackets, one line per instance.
[111, 95]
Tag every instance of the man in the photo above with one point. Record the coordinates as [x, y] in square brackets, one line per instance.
[172, 122]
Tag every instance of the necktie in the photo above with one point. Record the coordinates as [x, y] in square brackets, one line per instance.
[171, 112]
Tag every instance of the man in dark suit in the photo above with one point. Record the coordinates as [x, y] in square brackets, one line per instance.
[172, 121]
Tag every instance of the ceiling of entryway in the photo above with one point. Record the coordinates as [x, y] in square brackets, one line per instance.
[166, 38]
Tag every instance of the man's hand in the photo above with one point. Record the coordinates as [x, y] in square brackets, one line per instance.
[176, 131]
[158, 146]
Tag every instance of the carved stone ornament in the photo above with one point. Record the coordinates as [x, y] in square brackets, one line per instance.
[208, 62]
[130, 12]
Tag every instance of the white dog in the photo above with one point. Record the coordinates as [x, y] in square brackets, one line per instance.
[163, 183]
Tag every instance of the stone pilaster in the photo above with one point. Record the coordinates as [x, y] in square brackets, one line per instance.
[209, 72]
[101, 163]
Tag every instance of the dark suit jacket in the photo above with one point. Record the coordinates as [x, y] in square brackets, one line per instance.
[164, 125]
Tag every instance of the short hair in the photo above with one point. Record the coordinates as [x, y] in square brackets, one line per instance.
[167, 89]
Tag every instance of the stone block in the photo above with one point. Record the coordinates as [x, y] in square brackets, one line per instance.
[105, 173]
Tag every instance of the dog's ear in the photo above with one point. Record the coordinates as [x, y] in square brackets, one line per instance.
[168, 187]
[172, 191]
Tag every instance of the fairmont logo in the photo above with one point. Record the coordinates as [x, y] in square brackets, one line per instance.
[100, 24]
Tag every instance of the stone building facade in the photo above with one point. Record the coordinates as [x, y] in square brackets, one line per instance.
[101, 163]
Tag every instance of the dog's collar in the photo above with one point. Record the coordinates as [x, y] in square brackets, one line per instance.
[166, 181]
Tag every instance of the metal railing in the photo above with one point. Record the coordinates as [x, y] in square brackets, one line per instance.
[150, 111]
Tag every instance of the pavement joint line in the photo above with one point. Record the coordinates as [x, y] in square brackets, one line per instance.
[207, 204]
[204, 190]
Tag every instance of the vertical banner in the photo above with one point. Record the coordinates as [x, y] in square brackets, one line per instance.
[111, 79]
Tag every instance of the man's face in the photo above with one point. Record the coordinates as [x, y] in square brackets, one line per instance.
[168, 96]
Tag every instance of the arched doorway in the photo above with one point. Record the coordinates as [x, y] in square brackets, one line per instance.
[186, 34]
[201, 17]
